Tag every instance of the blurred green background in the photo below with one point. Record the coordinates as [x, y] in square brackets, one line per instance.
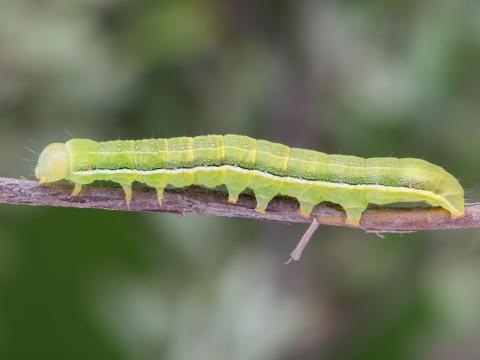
[370, 78]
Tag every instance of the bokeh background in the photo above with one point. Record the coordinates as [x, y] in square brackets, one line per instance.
[370, 78]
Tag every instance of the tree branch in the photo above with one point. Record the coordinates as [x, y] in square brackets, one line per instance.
[214, 203]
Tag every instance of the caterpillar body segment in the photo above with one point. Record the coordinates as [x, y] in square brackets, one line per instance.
[241, 162]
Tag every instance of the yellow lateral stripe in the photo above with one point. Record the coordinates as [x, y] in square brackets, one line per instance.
[285, 159]
[190, 149]
[221, 149]
[253, 149]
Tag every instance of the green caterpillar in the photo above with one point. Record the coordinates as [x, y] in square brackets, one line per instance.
[240, 162]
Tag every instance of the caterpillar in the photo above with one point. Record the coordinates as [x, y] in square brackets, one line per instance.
[241, 162]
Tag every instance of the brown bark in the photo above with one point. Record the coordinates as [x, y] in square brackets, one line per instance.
[214, 203]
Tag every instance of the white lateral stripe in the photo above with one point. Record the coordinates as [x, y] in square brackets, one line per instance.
[256, 172]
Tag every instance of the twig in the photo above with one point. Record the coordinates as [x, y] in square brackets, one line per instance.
[214, 203]
[296, 254]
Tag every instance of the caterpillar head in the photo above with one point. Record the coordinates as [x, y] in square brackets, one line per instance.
[53, 164]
